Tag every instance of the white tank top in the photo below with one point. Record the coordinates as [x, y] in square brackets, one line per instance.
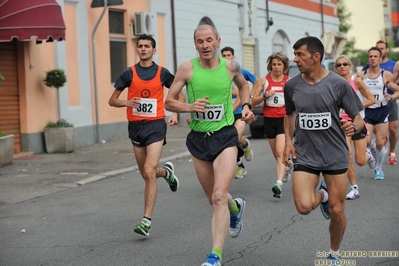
[377, 88]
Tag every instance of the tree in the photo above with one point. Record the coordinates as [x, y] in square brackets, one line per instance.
[344, 26]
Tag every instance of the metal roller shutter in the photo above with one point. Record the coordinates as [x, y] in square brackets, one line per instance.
[9, 94]
[249, 57]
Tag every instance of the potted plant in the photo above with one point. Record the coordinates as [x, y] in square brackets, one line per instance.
[6, 148]
[59, 136]
[56, 78]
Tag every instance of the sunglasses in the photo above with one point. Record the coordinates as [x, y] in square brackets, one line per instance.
[343, 64]
[382, 41]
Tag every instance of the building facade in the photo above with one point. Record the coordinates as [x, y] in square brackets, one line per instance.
[100, 42]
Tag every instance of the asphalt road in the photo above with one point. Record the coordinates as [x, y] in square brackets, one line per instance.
[93, 224]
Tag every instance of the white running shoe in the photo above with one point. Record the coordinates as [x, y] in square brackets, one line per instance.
[288, 172]
[353, 194]
[248, 152]
[372, 162]
[240, 172]
[236, 223]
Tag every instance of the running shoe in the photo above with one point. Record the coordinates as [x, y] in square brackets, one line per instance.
[334, 257]
[172, 179]
[379, 174]
[373, 147]
[372, 162]
[392, 158]
[324, 205]
[288, 172]
[212, 260]
[277, 190]
[143, 229]
[236, 223]
[353, 194]
[240, 172]
[248, 152]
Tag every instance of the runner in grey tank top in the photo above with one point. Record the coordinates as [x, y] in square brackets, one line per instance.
[319, 140]
[312, 101]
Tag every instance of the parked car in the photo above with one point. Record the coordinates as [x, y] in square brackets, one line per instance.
[256, 127]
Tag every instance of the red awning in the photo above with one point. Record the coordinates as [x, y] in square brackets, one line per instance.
[25, 19]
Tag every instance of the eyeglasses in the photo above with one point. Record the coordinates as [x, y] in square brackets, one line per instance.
[343, 64]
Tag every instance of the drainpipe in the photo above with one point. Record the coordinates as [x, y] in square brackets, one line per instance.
[172, 7]
[269, 21]
[94, 70]
[322, 18]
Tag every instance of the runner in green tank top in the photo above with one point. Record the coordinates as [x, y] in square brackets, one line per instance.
[220, 112]
[213, 139]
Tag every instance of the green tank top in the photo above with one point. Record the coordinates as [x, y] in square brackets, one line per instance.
[217, 85]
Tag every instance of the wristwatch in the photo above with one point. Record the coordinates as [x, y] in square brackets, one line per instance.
[354, 127]
[247, 104]
[251, 96]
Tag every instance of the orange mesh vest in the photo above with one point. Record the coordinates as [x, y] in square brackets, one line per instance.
[151, 94]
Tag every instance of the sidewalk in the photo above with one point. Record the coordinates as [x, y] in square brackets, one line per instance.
[41, 174]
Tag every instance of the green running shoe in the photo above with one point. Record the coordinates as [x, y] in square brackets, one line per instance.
[172, 180]
[276, 190]
[143, 229]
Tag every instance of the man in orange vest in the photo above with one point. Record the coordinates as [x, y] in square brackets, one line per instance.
[147, 126]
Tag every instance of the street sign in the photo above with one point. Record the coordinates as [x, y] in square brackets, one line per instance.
[100, 3]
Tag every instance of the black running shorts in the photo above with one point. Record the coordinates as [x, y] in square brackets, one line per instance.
[303, 168]
[273, 127]
[146, 132]
[207, 146]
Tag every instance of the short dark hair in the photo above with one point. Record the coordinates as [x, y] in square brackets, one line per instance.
[313, 45]
[382, 41]
[149, 38]
[227, 49]
[375, 48]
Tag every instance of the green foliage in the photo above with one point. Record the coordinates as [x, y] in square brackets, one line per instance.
[59, 123]
[362, 57]
[55, 78]
[2, 134]
[344, 17]
[344, 26]
[1, 80]
[349, 47]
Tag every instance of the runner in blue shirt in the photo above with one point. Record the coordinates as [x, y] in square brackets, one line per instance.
[228, 53]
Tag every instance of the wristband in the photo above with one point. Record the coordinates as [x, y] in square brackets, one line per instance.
[247, 104]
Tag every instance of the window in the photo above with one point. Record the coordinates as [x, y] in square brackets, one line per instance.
[116, 22]
[118, 58]
[117, 43]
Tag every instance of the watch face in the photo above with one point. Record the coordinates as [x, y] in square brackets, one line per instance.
[251, 96]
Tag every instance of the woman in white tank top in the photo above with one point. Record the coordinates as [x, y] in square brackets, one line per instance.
[363, 155]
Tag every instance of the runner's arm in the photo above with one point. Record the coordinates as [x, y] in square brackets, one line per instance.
[172, 102]
[370, 100]
[257, 91]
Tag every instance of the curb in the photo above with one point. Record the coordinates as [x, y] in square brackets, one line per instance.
[113, 173]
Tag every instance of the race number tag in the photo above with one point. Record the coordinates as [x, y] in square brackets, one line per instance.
[212, 113]
[378, 96]
[277, 100]
[148, 107]
[315, 121]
